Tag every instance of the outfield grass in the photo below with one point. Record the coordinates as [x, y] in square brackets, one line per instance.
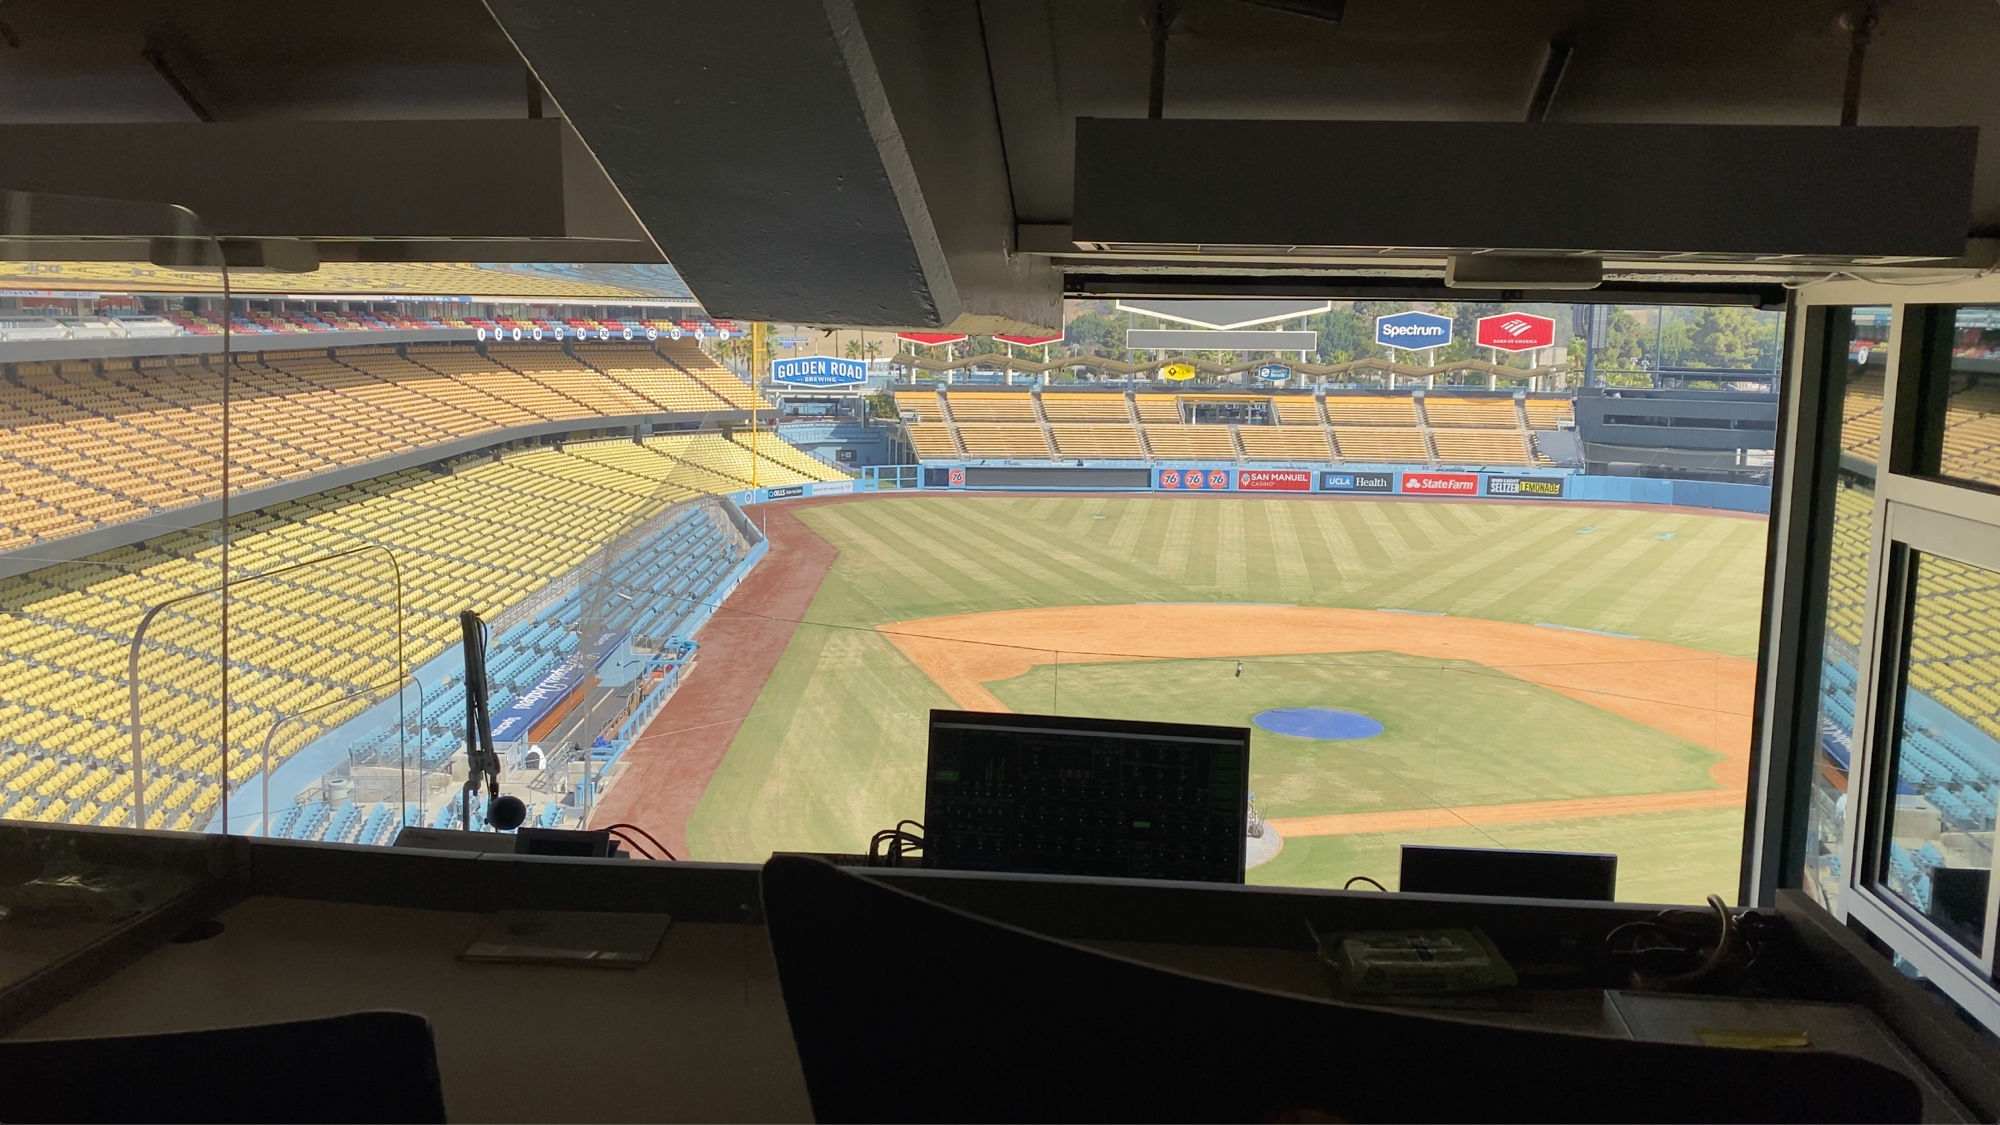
[1662, 857]
[834, 746]
[1685, 578]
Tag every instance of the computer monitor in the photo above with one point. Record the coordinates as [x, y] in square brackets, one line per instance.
[1507, 873]
[1071, 796]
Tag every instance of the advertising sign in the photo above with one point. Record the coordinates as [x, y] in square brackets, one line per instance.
[1413, 331]
[1516, 332]
[957, 478]
[833, 487]
[1274, 480]
[1539, 488]
[511, 722]
[1178, 372]
[819, 371]
[786, 492]
[1195, 480]
[1357, 482]
[1441, 484]
[931, 339]
[1274, 372]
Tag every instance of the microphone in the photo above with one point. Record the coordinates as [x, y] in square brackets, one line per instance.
[506, 813]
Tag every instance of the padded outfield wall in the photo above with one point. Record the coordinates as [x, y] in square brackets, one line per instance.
[1360, 482]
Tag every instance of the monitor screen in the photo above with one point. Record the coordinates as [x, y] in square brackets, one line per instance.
[1509, 873]
[1073, 796]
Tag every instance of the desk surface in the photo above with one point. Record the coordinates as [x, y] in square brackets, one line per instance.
[698, 1034]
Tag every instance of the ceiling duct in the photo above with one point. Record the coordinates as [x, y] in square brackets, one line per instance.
[1721, 193]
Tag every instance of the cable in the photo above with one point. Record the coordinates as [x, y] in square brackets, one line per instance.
[1363, 879]
[648, 835]
[631, 843]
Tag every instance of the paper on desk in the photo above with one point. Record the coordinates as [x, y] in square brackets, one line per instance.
[569, 937]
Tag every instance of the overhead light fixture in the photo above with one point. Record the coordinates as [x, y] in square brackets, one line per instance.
[1522, 271]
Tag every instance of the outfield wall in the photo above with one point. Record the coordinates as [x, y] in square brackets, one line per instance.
[1552, 485]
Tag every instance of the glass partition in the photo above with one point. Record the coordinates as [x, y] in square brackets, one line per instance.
[114, 475]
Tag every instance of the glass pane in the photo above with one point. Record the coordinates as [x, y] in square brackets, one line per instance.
[1857, 433]
[1961, 380]
[110, 461]
[1939, 853]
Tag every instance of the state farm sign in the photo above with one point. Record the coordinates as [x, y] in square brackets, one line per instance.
[1274, 480]
[1441, 484]
[1516, 332]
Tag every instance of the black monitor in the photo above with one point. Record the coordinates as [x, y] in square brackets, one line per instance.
[1070, 796]
[1506, 873]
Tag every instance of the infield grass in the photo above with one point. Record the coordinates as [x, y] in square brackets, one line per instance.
[834, 747]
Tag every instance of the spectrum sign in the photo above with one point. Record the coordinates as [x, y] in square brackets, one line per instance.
[1516, 332]
[1441, 484]
[1413, 331]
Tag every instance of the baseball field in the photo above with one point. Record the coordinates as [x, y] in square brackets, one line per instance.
[1517, 674]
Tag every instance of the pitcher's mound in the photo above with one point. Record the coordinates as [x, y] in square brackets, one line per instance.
[1318, 722]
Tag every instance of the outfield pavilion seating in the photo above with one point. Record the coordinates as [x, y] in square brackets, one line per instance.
[931, 440]
[923, 404]
[1158, 408]
[1549, 413]
[1004, 439]
[1381, 443]
[987, 406]
[487, 533]
[1284, 443]
[1083, 439]
[1297, 410]
[1476, 431]
[1182, 441]
[1448, 429]
[1076, 407]
[87, 445]
[1371, 410]
[1481, 446]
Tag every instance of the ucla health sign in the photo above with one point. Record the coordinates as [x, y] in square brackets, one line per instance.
[819, 371]
[1413, 331]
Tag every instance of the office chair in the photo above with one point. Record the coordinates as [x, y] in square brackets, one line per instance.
[905, 1010]
[370, 1066]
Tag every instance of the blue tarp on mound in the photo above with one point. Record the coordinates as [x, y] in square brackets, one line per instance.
[1318, 722]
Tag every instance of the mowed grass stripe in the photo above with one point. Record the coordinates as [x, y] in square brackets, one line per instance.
[846, 529]
[1282, 546]
[1331, 555]
[1567, 599]
[942, 546]
[1719, 616]
[1233, 549]
[1465, 580]
[1055, 567]
[1177, 544]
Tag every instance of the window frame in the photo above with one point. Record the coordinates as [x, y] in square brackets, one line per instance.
[1911, 511]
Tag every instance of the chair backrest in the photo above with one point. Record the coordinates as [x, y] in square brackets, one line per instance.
[370, 1066]
[904, 1010]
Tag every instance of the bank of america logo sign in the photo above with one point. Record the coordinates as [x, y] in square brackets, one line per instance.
[1516, 326]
